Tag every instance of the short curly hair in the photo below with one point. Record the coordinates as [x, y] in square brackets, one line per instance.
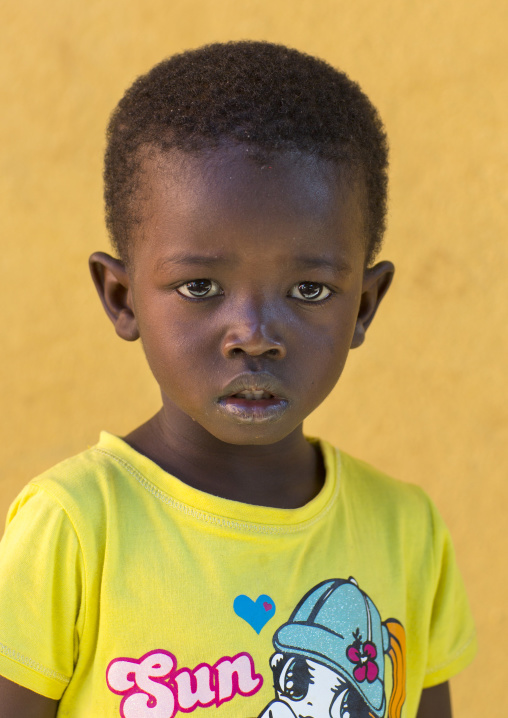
[262, 94]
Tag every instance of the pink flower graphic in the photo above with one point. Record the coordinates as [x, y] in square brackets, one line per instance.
[363, 654]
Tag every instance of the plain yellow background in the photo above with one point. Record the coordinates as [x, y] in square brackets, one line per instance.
[424, 398]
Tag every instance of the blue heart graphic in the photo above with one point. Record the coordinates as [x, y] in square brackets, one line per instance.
[256, 613]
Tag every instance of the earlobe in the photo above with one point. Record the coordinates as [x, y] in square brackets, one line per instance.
[113, 287]
[376, 281]
[358, 336]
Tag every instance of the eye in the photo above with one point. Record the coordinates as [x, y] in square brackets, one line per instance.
[310, 291]
[354, 705]
[295, 679]
[199, 288]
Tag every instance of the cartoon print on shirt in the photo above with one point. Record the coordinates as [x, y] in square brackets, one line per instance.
[329, 663]
[256, 613]
[330, 657]
[152, 687]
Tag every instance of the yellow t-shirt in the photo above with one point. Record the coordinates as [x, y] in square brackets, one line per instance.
[125, 592]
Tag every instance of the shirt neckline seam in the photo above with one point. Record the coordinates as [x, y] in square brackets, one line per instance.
[217, 519]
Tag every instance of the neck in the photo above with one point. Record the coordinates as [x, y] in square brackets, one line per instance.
[286, 474]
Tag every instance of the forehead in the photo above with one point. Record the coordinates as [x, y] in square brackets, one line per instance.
[238, 198]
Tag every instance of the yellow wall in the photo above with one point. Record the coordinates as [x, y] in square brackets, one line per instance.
[423, 399]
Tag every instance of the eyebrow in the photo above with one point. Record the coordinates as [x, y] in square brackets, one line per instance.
[313, 262]
[192, 259]
[300, 262]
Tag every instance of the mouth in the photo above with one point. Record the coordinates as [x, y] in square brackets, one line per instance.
[253, 398]
[253, 395]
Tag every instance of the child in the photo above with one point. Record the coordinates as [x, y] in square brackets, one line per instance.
[215, 560]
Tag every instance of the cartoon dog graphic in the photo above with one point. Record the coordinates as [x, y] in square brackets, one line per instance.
[330, 657]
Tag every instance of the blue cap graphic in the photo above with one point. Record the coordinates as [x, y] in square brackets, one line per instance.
[337, 624]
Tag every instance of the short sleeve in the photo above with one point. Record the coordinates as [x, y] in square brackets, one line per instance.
[452, 637]
[41, 589]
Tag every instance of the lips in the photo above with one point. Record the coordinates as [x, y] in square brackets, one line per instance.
[254, 386]
[253, 398]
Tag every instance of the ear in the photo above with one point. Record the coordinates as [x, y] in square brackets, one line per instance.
[113, 286]
[376, 281]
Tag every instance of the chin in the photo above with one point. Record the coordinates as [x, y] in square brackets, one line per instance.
[252, 434]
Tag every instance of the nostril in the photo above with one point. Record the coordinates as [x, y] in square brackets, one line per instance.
[235, 351]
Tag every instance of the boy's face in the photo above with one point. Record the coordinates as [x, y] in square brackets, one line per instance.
[247, 287]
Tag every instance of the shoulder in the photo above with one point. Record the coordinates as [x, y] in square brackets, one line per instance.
[78, 488]
[363, 482]
[76, 476]
[391, 508]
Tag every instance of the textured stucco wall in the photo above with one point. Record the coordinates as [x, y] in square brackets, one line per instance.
[423, 399]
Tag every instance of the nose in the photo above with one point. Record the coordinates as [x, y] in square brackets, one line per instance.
[251, 331]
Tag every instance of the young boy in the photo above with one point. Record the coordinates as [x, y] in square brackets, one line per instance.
[215, 560]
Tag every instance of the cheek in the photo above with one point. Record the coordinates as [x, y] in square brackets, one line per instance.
[333, 333]
[165, 335]
[181, 354]
[327, 358]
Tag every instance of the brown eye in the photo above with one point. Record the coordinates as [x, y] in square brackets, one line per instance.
[199, 288]
[310, 291]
